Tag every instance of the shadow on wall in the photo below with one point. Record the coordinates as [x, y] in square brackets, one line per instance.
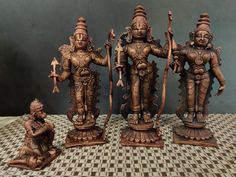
[15, 69]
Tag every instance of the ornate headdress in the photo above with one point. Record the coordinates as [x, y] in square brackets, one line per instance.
[81, 27]
[139, 15]
[203, 23]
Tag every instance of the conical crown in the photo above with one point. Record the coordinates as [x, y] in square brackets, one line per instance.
[81, 27]
[203, 23]
[139, 14]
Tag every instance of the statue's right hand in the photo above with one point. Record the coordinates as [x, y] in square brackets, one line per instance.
[54, 75]
[175, 52]
[119, 67]
[49, 126]
[120, 83]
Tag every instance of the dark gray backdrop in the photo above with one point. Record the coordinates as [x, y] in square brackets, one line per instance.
[32, 30]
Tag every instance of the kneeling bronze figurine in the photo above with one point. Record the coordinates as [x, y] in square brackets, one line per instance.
[196, 84]
[38, 150]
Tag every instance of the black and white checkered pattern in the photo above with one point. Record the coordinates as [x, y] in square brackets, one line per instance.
[112, 159]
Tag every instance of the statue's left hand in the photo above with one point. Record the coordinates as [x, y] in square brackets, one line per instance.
[108, 44]
[176, 66]
[170, 31]
[52, 75]
[49, 126]
[220, 90]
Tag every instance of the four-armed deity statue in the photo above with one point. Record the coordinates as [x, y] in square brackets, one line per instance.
[137, 43]
[84, 85]
[196, 84]
[38, 150]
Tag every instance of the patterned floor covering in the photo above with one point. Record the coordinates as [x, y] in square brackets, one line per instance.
[114, 160]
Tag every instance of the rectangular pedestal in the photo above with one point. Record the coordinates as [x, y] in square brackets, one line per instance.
[99, 141]
[159, 144]
[141, 138]
[206, 143]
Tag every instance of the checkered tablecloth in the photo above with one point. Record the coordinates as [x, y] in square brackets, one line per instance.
[112, 159]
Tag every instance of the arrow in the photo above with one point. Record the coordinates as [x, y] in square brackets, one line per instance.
[119, 49]
[54, 63]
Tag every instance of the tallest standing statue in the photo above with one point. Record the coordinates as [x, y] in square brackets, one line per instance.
[137, 44]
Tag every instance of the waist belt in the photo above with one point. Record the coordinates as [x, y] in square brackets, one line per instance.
[82, 75]
[141, 68]
[197, 77]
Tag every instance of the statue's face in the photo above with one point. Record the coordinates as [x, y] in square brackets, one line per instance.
[202, 38]
[81, 41]
[40, 114]
[139, 30]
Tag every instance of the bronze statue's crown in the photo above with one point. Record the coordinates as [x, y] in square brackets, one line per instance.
[139, 13]
[203, 23]
[81, 27]
[35, 106]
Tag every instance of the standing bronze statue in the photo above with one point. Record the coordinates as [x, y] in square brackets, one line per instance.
[196, 84]
[137, 43]
[38, 150]
[84, 85]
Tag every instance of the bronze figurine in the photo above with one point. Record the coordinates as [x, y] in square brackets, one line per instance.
[38, 150]
[196, 84]
[140, 99]
[84, 85]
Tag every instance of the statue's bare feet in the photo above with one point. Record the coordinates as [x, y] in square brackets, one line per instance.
[34, 161]
[189, 117]
[90, 117]
[133, 119]
[90, 120]
[79, 120]
[52, 151]
[39, 160]
[70, 113]
[200, 118]
[147, 117]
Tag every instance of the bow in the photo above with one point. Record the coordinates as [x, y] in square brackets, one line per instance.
[111, 37]
[169, 35]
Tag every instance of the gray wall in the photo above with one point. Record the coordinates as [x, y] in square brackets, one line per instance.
[32, 30]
